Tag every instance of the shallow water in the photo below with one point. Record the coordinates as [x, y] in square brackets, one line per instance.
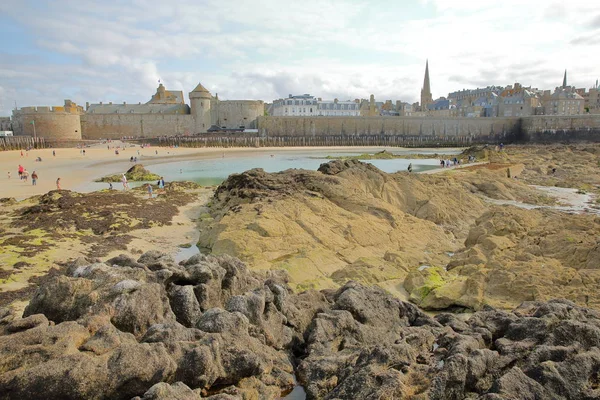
[297, 394]
[210, 172]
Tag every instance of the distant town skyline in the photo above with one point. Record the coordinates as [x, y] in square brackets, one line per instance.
[110, 51]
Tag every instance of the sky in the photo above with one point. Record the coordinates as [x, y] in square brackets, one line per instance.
[113, 50]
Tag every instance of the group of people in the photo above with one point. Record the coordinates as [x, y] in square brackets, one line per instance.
[24, 176]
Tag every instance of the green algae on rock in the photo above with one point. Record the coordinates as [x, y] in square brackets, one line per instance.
[137, 173]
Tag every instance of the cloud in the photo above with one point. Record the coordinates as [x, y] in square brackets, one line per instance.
[115, 51]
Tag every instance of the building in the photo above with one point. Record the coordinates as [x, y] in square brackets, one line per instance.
[564, 101]
[164, 114]
[426, 96]
[307, 105]
[5, 124]
[517, 101]
[295, 106]
[336, 108]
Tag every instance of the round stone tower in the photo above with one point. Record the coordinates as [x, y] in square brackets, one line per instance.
[200, 99]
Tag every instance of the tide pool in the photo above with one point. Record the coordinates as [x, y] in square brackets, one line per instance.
[210, 172]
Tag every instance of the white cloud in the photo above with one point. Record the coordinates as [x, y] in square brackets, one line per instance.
[111, 51]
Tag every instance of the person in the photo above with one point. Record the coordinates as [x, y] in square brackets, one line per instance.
[39, 159]
[21, 172]
[21, 153]
[161, 183]
[135, 160]
[84, 152]
[501, 146]
[156, 152]
[124, 181]
[53, 153]
[131, 159]
[410, 167]
[58, 184]
[110, 187]
[149, 190]
[25, 175]
[34, 178]
[8, 174]
[442, 163]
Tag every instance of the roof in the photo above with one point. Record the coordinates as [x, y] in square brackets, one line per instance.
[200, 88]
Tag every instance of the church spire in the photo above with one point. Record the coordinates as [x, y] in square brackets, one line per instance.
[564, 85]
[426, 97]
[426, 84]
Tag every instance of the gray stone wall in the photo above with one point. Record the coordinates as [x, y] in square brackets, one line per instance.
[410, 126]
[49, 125]
[541, 123]
[233, 114]
[113, 126]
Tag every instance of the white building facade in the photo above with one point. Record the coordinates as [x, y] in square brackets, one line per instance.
[307, 105]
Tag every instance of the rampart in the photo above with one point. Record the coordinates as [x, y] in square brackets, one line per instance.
[543, 123]
[396, 126]
[237, 113]
[114, 126]
[50, 123]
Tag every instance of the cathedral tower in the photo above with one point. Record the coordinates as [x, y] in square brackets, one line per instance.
[200, 99]
[426, 97]
[564, 85]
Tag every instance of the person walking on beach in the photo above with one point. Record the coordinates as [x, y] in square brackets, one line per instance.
[25, 175]
[8, 174]
[410, 167]
[161, 185]
[58, 184]
[124, 182]
[53, 153]
[149, 190]
[34, 178]
[21, 171]
[21, 153]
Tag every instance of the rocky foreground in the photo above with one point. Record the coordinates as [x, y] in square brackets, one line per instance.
[210, 328]
[441, 240]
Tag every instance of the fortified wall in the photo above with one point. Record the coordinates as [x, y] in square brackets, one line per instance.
[51, 123]
[397, 126]
[542, 123]
[114, 126]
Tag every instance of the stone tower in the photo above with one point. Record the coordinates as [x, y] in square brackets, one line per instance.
[200, 99]
[564, 85]
[426, 97]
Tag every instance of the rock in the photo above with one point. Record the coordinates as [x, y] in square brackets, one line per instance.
[27, 323]
[164, 391]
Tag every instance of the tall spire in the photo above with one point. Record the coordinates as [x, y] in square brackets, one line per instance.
[426, 97]
[426, 84]
[565, 80]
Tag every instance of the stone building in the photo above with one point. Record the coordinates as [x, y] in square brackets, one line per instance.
[517, 101]
[165, 114]
[5, 124]
[564, 101]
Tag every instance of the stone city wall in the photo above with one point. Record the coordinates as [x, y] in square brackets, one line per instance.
[406, 126]
[542, 123]
[233, 114]
[49, 124]
[113, 126]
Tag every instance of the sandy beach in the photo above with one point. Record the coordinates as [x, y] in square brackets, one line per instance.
[76, 169]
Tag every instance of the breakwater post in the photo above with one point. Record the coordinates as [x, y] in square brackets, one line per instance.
[21, 143]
